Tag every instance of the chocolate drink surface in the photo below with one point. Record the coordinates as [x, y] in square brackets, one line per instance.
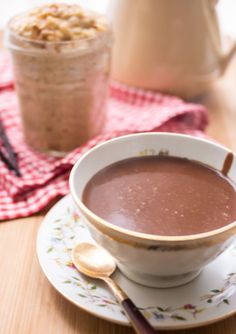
[162, 195]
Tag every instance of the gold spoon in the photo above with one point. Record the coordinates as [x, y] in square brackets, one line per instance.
[96, 262]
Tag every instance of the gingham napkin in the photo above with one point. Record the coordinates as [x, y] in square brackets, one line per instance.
[44, 178]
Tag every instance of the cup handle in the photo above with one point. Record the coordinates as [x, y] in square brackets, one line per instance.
[228, 55]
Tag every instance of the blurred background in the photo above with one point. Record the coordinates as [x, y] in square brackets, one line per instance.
[226, 10]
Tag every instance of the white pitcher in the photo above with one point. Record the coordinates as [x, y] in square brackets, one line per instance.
[173, 46]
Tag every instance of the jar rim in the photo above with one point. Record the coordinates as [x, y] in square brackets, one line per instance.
[13, 40]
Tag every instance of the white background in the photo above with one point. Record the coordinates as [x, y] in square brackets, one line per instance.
[226, 10]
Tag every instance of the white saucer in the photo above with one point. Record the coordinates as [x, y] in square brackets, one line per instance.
[207, 299]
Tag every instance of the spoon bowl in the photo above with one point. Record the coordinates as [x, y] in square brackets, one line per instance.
[93, 261]
[96, 262]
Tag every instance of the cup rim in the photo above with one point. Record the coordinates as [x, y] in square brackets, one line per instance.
[141, 235]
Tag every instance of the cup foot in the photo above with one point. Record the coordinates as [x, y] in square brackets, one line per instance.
[159, 281]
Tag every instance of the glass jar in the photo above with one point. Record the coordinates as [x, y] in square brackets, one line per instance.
[62, 87]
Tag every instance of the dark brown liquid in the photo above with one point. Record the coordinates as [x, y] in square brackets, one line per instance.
[162, 195]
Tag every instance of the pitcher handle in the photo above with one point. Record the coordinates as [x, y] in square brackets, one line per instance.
[228, 55]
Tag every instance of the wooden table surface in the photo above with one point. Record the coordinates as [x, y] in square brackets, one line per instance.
[30, 305]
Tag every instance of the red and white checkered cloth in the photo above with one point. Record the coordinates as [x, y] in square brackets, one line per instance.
[43, 178]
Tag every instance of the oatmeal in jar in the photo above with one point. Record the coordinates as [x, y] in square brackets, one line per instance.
[61, 58]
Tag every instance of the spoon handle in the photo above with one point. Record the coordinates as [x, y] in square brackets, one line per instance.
[137, 320]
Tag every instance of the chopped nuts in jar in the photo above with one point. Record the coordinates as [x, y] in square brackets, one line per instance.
[61, 56]
[45, 22]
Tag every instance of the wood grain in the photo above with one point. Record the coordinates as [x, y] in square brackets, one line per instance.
[28, 303]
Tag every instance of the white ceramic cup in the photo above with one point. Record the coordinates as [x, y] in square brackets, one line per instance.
[152, 260]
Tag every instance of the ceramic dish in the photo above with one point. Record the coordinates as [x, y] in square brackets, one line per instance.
[152, 260]
[209, 298]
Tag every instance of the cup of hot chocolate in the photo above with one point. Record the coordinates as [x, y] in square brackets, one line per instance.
[164, 205]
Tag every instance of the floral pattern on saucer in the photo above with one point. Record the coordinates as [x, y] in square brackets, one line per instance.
[63, 229]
